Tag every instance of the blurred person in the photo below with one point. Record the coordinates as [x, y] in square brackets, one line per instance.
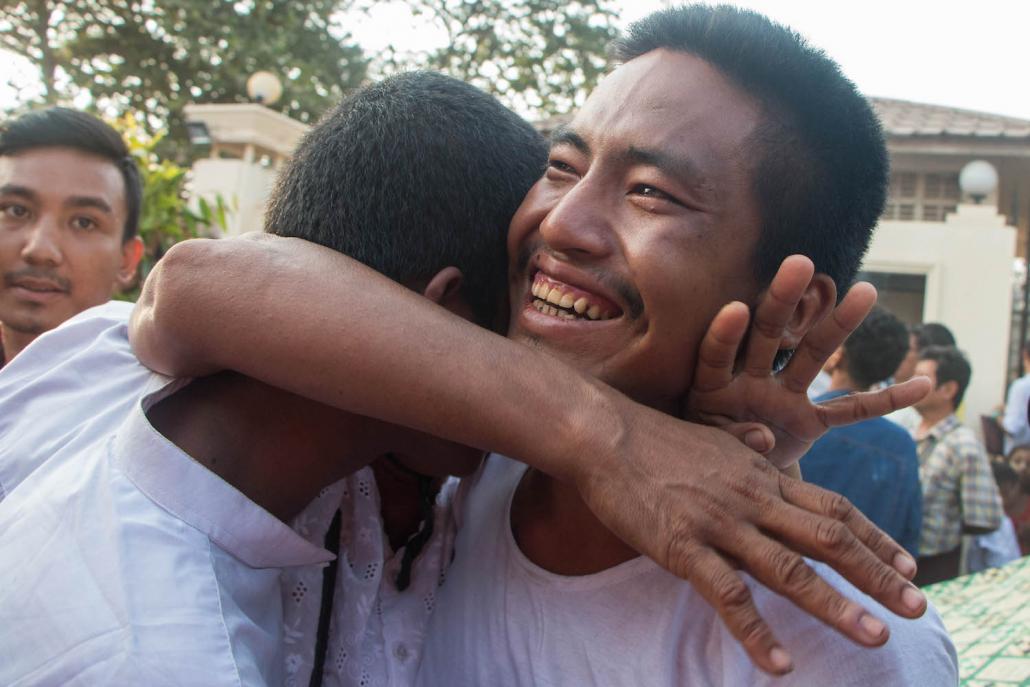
[1014, 421]
[920, 336]
[873, 463]
[1017, 500]
[70, 197]
[1000, 546]
[959, 492]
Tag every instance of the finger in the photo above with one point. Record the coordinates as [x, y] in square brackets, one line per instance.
[825, 526]
[846, 410]
[820, 343]
[754, 435]
[788, 574]
[773, 313]
[722, 587]
[718, 350]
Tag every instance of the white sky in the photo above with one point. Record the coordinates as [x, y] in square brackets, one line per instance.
[972, 55]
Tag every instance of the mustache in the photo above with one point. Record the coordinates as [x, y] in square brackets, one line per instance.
[12, 278]
[634, 303]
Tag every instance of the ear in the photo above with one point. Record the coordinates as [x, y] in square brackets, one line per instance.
[949, 390]
[445, 289]
[818, 300]
[835, 360]
[132, 252]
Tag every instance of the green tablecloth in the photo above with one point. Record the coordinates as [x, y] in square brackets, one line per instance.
[988, 616]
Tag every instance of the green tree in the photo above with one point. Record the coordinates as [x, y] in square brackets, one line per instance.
[539, 56]
[156, 56]
[165, 217]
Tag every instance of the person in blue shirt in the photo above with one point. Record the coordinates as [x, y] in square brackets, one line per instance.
[873, 463]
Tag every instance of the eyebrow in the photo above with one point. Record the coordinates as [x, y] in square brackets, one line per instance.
[89, 202]
[74, 201]
[564, 135]
[15, 190]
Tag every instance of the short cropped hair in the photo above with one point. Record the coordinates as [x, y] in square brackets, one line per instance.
[820, 169]
[874, 350]
[952, 366]
[412, 174]
[62, 127]
[932, 334]
[1003, 473]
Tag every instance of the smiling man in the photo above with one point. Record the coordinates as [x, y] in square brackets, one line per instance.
[70, 198]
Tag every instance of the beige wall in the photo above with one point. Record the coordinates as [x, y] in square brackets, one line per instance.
[968, 262]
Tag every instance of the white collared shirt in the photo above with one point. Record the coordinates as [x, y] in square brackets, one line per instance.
[123, 560]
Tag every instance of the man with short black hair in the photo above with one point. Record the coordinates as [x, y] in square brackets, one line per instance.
[959, 492]
[70, 197]
[873, 463]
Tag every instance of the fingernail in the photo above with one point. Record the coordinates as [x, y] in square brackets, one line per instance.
[780, 660]
[755, 440]
[912, 599]
[871, 626]
[905, 564]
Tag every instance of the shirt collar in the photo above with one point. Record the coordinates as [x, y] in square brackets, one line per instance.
[945, 426]
[202, 499]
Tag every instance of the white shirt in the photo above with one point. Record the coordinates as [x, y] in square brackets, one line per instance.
[501, 620]
[376, 632]
[125, 561]
[993, 550]
[1017, 428]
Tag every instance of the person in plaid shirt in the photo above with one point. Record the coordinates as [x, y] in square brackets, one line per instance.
[959, 492]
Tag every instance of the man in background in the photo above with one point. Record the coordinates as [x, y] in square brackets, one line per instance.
[70, 197]
[1017, 429]
[959, 492]
[920, 336]
[872, 463]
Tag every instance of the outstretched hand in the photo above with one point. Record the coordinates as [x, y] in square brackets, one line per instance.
[770, 411]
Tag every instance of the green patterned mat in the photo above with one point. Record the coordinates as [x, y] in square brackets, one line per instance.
[988, 616]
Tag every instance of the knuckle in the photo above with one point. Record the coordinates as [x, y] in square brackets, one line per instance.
[792, 571]
[731, 592]
[831, 535]
[837, 506]
[753, 630]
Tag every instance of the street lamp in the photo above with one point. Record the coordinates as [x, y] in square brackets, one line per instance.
[978, 179]
[264, 88]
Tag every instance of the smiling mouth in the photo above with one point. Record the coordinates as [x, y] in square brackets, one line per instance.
[563, 301]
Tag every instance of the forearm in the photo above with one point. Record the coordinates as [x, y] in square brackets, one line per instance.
[316, 323]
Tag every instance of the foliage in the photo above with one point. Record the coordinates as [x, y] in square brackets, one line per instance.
[155, 56]
[165, 218]
[539, 56]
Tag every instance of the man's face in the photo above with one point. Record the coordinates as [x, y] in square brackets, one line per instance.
[62, 217]
[906, 369]
[940, 396]
[643, 226]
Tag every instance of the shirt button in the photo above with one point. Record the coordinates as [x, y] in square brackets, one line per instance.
[401, 652]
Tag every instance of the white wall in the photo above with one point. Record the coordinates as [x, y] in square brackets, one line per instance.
[967, 261]
[244, 186]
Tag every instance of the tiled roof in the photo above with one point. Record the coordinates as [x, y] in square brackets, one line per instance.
[904, 118]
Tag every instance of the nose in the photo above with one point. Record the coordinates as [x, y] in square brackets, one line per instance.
[42, 244]
[578, 226]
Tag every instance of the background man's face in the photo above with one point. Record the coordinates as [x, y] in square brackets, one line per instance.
[644, 222]
[62, 218]
[907, 367]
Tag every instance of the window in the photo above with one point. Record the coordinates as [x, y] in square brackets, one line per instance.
[902, 294]
[926, 197]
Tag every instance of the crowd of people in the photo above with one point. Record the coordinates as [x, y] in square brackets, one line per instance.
[920, 473]
[245, 478]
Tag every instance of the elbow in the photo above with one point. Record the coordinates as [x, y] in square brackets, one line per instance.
[160, 325]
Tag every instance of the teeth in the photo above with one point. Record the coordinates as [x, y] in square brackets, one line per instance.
[594, 312]
[580, 306]
[551, 310]
[567, 300]
[554, 296]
